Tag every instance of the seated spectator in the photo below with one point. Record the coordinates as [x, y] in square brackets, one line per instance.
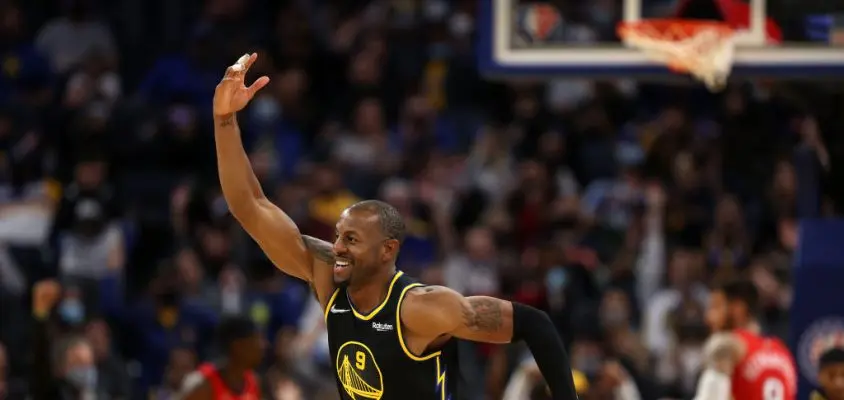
[111, 369]
[67, 39]
[157, 322]
[329, 198]
[182, 362]
[93, 246]
[420, 246]
[64, 367]
[88, 240]
[197, 287]
[26, 64]
[474, 270]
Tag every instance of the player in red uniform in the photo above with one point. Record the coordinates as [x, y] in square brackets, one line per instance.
[740, 363]
[234, 379]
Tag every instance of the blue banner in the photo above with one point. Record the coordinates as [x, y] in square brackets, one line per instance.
[817, 311]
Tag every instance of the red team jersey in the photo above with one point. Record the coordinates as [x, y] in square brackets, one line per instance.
[766, 372]
[251, 391]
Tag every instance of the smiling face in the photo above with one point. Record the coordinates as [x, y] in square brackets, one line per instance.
[362, 250]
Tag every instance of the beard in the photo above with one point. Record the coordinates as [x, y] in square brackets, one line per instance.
[360, 275]
[343, 284]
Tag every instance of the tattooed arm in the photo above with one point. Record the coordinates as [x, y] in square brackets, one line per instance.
[435, 310]
[429, 313]
[301, 256]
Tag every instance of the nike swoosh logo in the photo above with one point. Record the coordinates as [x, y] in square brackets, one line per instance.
[338, 311]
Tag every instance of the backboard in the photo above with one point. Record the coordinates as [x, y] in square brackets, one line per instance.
[578, 38]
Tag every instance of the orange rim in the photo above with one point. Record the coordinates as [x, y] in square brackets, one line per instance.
[671, 30]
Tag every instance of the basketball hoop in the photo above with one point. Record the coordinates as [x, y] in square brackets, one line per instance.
[701, 48]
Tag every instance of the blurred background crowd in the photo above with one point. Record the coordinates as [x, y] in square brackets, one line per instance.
[611, 205]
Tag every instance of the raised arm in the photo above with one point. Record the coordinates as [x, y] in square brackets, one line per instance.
[304, 257]
[428, 313]
[722, 353]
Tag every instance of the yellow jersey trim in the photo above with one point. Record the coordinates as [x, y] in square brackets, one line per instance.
[440, 379]
[374, 312]
[401, 337]
[330, 303]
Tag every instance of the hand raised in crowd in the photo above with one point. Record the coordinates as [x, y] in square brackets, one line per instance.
[45, 295]
[614, 373]
[232, 94]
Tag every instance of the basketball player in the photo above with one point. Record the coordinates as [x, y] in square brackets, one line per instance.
[234, 379]
[389, 337]
[739, 363]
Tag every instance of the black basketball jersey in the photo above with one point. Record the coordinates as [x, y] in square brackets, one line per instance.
[369, 356]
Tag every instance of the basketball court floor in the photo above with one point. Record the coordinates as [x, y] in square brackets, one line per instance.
[517, 40]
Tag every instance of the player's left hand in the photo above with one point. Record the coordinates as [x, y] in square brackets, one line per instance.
[231, 94]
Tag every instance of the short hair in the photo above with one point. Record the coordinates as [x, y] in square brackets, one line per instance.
[832, 356]
[392, 223]
[60, 351]
[234, 328]
[742, 290]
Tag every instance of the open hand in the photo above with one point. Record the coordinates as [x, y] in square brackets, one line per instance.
[45, 295]
[231, 94]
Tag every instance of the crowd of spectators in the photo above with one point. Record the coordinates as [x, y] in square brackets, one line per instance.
[612, 204]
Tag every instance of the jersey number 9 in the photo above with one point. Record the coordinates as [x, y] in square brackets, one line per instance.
[773, 389]
[360, 363]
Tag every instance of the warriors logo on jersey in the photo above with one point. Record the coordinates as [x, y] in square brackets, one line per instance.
[358, 371]
[371, 357]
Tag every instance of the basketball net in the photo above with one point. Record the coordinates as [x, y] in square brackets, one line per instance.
[704, 49]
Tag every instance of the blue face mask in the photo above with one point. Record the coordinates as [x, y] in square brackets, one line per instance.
[72, 311]
[556, 279]
[265, 110]
[589, 365]
[83, 377]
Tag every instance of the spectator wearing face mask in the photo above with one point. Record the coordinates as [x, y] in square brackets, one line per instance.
[158, 322]
[63, 367]
[111, 369]
[182, 362]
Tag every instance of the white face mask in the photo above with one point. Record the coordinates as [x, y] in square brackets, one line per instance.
[461, 24]
[84, 378]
